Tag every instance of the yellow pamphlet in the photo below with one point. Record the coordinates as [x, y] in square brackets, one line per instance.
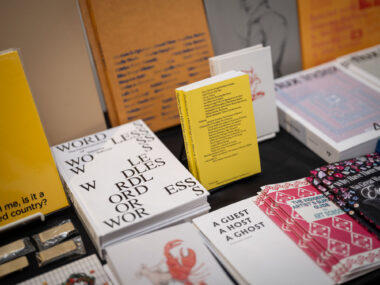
[29, 180]
[219, 129]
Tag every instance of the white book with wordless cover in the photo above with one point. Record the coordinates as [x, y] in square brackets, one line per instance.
[254, 249]
[256, 61]
[124, 182]
[175, 255]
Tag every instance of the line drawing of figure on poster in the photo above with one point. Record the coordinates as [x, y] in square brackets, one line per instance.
[267, 26]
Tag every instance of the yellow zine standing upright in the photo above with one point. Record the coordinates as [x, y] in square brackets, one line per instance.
[29, 180]
[219, 129]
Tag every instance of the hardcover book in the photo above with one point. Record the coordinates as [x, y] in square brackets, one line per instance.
[29, 180]
[253, 248]
[124, 182]
[345, 248]
[329, 29]
[256, 61]
[138, 74]
[333, 113]
[219, 129]
[87, 270]
[175, 254]
[364, 63]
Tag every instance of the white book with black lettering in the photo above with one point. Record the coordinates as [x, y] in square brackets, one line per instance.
[174, 255]
[254, 249]
[124, 182]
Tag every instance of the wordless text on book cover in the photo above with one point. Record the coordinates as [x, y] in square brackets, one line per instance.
[219, 129]
[29, 179]
[254, 250]
[143, 50]
[329, 29]
[124, 182]
[175, 255]
[333, 113]
[256, 61]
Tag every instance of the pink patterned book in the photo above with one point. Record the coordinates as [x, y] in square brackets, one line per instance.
[352, 250]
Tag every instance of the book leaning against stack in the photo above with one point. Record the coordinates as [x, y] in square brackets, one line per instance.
[124, 182]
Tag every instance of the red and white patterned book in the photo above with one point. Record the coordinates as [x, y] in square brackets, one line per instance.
[345, 244]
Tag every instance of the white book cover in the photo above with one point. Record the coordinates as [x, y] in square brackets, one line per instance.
[175, 255]
[333, 113]
[254, 249]
[87, 270]
[364, 63]
[255, 61]
[124, 181]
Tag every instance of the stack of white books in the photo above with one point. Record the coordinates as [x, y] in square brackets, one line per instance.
[256, 61]
[124, 182]
[175, 255]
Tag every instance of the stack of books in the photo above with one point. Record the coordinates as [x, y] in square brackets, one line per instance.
[124, 182]
[218, 128]
[337, 243]
[175, 255]
[254, 250]
[332, 111]
[354, 185]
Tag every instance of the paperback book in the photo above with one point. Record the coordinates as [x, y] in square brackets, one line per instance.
[254, 250]
[87, 270]
[175, 254]
[333, 113]
[354, 185]
[256, 61]
[219, 130]
[343, 248]
[30, 184]
[124, 182]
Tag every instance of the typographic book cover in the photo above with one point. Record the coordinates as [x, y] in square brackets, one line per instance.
[220, 128]
[355, 186]
[29, 179]
[87, 270]
[329, 29]
[175, 254]
[333, 113]
[124, 180]
[346, 242]
[143, 50]
[255, 61]
[250, 246]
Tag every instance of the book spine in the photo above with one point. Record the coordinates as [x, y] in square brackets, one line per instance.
[211, 63]
[185, 131]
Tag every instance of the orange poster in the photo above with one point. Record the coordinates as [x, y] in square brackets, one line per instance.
[331, 28]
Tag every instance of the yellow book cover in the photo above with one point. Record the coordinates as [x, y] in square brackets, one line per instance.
[29, 180]
[222, 130]
[330, 29]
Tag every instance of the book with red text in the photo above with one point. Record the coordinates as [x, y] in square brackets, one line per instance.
[346, 249]
[124, 182]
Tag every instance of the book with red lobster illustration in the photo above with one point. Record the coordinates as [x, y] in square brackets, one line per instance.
[175, 255]
[256, 61]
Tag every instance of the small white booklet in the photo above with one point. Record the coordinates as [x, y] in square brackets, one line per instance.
[256, 61]
[87, 270]
[124, 182]
[254, 249]
[175, 255]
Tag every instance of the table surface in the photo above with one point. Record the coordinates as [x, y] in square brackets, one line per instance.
[283, 158]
